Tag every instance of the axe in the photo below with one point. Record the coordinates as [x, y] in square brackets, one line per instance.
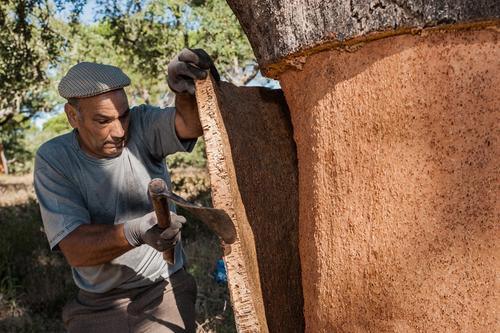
[216, 219]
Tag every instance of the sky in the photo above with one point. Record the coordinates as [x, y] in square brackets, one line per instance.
[87, 16]
[88, 12]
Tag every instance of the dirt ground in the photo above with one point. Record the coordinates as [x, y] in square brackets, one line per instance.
[15, 190]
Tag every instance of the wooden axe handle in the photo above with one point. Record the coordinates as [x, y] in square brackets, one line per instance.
[160, 203]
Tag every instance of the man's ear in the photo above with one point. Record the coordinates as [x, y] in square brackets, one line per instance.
[71, 114]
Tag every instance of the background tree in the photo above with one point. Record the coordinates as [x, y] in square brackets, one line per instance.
[29, 47]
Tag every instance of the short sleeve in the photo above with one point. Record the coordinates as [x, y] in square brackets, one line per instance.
[156, 126]
[61, 204]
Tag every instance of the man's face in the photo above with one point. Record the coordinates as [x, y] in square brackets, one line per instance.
[102, 123]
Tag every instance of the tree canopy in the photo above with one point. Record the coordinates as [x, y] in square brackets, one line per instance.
[29, 45]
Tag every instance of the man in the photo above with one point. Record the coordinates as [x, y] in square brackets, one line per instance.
[92, 187]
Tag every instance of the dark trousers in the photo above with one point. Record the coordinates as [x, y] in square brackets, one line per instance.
[166, 306]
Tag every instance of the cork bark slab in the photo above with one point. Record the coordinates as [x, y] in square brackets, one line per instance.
[253, 171]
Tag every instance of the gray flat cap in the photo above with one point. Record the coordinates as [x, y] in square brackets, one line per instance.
[88, 79]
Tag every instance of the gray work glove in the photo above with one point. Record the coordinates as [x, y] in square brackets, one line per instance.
[187, 66]
[145, 230]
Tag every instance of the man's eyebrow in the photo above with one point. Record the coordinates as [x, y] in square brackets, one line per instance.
[102, 116]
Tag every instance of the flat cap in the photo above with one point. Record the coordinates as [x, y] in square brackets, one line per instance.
[88, 79]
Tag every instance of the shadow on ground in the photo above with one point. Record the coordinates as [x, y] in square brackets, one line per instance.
[34, 282]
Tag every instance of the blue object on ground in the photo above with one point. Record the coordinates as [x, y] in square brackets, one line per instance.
[219, 274]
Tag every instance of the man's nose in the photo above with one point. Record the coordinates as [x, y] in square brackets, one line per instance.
[117, 129]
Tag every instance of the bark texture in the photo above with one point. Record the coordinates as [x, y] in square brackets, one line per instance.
[398, 151]
[278, 29]
[3, 161]
[253, 171]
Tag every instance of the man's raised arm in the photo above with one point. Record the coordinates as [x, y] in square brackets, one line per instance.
[189, 65]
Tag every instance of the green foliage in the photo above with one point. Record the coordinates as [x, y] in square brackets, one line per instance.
[35, 137]
[29, 45]
[12, 136]
[150, 33]
[57, 125]
[197, 158]
[221, 35]
[146, 35]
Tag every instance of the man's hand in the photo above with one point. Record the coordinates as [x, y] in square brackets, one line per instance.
[145, 230]
[189, 65]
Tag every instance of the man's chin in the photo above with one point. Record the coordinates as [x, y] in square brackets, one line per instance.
[112, 152]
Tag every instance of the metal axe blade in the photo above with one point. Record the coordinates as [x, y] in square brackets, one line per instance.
[216, 219]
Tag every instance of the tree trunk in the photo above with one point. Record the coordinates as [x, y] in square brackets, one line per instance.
[283, 31]
[394, 106]
[4, 168]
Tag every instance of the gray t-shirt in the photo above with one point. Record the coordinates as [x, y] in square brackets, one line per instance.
[74, 189]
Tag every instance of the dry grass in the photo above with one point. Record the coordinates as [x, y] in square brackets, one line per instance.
[35, 283]
[16, 190]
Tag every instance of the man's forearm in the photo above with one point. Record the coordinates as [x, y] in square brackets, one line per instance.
[187, 120]
[94, 244]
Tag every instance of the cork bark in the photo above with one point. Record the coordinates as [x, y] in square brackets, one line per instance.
[398, 152]
[281, 30]
[253, 171]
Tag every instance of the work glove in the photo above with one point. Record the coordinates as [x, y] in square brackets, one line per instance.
[189, 65]
[145, 230]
